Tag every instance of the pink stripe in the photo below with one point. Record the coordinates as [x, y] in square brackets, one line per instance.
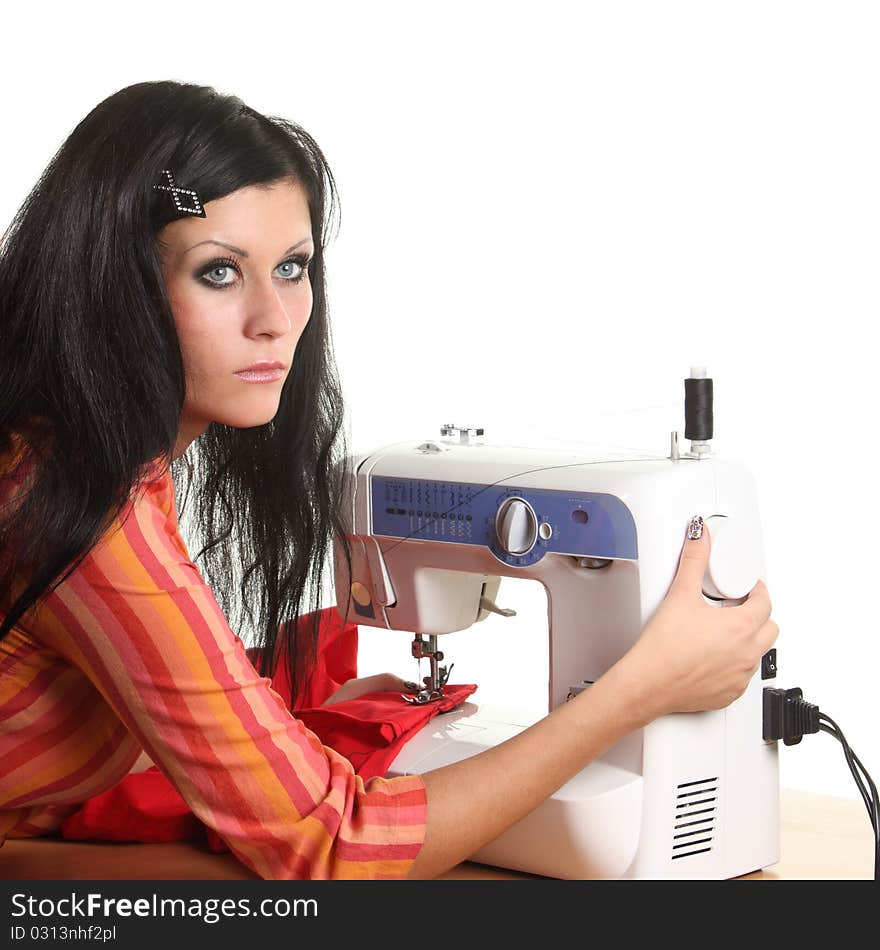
[391, 815]
[19, 655]
[28, 750]
[140, 655]
[200, 630]
[347, 851]
[232, 684]
[235, 805]
[50, 709]
[38, 686]
[66, 782]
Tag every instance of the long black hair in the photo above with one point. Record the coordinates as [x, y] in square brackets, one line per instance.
[92, 376]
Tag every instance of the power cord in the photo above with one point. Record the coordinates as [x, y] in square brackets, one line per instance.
[827, 724]
[789, 717]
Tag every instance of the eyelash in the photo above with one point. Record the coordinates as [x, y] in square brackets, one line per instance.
[301, 259]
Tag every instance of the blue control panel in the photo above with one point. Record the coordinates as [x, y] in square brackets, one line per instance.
[586, 524]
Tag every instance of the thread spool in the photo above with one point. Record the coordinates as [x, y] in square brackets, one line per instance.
[698, 419]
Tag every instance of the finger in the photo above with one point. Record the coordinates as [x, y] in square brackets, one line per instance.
[390, 681]
[767, 635]
[694, 557]
[757, 605]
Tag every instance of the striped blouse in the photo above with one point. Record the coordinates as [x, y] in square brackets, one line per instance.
[132, 652]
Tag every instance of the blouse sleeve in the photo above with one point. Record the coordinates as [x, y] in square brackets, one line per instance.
[141, 623]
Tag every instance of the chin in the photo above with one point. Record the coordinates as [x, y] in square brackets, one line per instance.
[248, 420]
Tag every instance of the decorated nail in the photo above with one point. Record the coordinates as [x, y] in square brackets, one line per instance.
[695, 528]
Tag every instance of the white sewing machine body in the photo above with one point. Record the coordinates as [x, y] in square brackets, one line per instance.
[432, 528]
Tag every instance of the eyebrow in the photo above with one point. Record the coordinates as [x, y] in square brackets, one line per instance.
[238, 250]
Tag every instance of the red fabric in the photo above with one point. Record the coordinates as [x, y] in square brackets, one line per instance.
[144, 806]
[369, 731]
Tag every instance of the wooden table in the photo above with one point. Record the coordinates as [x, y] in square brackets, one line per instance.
[822, 838]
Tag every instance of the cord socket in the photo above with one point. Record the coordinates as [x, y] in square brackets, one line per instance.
[787, 716]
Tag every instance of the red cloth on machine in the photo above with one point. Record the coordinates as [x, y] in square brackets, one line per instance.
[369, 730]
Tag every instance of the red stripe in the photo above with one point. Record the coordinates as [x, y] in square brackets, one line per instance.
[235, 693]
[40, 685]
[86, 770]
[233, 801]
[31, 748]
[19, 655]
[352, 851]
[413, 796]
[140, 654]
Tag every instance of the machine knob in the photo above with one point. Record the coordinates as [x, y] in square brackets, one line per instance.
[732, 571]
[516, 526]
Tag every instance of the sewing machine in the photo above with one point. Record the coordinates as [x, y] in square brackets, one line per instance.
[435, 525]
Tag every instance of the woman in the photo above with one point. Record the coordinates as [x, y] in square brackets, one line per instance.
[176, 239]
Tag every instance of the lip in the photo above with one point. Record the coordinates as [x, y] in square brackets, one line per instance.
[260, 376]
[265, 371]
[261, 366]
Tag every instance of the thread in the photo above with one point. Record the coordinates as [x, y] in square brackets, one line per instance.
[698, 409]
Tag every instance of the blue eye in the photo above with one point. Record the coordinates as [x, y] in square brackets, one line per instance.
[299, 263]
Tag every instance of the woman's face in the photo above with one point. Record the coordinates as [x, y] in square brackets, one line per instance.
[239, 289]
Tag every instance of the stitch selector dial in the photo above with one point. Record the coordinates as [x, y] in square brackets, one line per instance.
[516, 526]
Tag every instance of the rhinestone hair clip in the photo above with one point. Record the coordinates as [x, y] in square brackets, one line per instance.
[177, 191]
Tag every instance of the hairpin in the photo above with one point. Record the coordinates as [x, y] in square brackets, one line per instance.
[176, 192]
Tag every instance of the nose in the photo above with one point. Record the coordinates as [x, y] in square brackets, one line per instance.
[269, 310]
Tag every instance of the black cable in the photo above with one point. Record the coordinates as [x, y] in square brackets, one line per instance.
[871, 801]
[827, 724]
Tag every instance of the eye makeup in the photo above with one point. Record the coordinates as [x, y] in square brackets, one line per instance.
[232, 263]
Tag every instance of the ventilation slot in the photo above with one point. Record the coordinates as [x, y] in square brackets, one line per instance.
[694, 822]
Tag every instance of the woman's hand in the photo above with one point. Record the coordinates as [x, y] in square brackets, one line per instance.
[370, 684]
[696, 656]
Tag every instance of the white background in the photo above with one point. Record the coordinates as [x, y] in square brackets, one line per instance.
[549, 213]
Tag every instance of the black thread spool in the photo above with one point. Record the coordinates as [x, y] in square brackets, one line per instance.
[698, 408]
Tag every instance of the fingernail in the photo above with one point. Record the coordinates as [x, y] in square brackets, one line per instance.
[411, 686]
[695, 528]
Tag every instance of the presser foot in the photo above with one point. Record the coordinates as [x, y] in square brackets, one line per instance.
[423, 696]
[433, 688]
